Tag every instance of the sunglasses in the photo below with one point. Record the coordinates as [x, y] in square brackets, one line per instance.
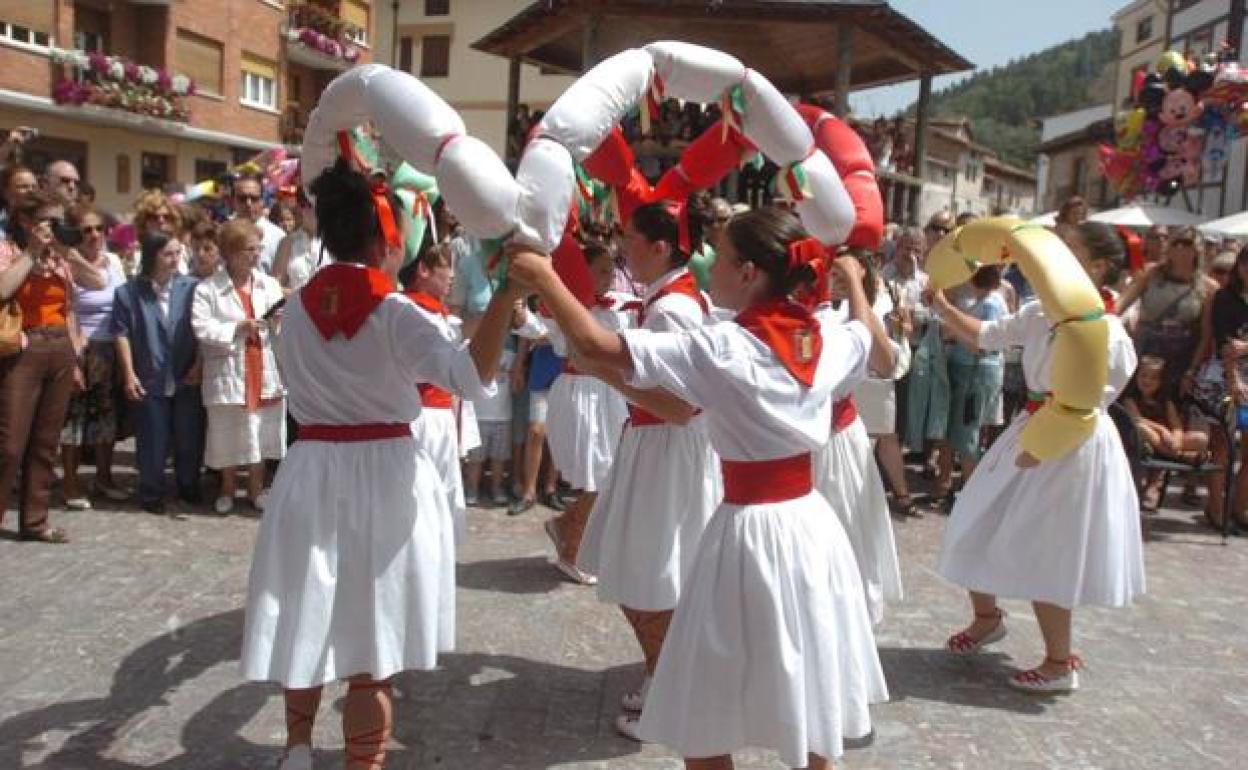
[92, 228]
[248, 198]
[939, 229]
[1183, 242]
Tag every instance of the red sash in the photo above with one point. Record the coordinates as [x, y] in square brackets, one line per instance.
[792, 333]
[766, 481]
[350, 434]
[341, 296]
[640, 418]
[844, 412]
[433, 397]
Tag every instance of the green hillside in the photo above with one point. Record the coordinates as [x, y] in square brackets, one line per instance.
[1003, 103]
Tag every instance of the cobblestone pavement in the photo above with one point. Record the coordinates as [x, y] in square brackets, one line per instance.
[120, 651]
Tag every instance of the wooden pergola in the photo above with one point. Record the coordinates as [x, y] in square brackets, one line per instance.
[810, 48]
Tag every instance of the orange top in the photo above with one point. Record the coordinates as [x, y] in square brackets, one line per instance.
[44, 301]
[253, 358]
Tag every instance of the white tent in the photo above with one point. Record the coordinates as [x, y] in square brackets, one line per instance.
[1234, 226]
[1147, 215]
[1048, 220]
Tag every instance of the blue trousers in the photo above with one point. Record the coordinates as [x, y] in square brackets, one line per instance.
[159, 422]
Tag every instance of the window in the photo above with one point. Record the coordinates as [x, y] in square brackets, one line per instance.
[28, 23]
[435, 56]
[209, 169]
[1078, 175]
[199, 59]
[123, 174]
[437, 7]
[405, 54]
[1144, 30]
[91, 29]
[157, 170]
[1200, 43]
[355, 14]
[258, 86]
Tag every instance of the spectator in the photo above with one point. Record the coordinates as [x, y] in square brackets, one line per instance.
[61, 178]
[1171, 295]
[1157, 416]
[242, 387]
[16, 182]
[153, 212]
[938, 226]
[927, 385]
[1220, 268]
[1220, 369]
[974, 381]
[543, 367]
[38, 380]
[1155, 244]
[248, 199]
[156, 355]
[91, 419]
[300, 253]
[86, 195]
[205, 254]
[284, 215]
[123, 243]
[494, 425]
[717, 226]
[1074, 211]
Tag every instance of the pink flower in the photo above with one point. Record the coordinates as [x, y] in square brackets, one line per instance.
[98, 62]
[163, 80]
[132, 72]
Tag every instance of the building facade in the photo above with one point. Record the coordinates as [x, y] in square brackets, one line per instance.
[1141, 41]
[962, 176]
[164, 93]
[1197, 27]
[433, 39]
[1069, 160]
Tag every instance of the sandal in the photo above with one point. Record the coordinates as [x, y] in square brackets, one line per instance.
[1033, 681]
[963, 643]
[907, 508]
[54, 535]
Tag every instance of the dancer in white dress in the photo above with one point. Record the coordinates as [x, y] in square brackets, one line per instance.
[353, 576]
[664, 485]
[586, 418]
[771, 644]
[1063, 533]
[428, 282]
[846, 474]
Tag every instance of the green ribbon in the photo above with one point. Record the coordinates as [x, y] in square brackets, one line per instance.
[494, 260]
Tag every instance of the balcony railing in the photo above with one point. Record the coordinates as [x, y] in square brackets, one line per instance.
[322, 32]
[91, 78]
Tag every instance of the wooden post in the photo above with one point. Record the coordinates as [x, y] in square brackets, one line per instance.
[920, 140]
[513, 102]
[844, 68]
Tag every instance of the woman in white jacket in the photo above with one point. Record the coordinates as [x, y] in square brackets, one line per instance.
[242, 387]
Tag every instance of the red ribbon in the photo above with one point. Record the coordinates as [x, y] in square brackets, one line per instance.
[385, 215]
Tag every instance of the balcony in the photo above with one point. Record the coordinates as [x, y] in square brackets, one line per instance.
[114, 82]
[317, 38]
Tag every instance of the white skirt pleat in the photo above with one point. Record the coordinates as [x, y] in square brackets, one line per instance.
[354, 567]
[643, 532]
[583, 426]
[771, 644]
[846, 473]
[1066, 532]
[438, 433]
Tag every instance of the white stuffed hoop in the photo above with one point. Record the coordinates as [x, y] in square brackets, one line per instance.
[533, 207]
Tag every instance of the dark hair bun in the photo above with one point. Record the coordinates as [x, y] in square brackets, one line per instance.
[345, 217]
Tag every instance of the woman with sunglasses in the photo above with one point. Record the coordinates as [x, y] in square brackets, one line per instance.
[153, 212]
[92, 416]
[37, 382]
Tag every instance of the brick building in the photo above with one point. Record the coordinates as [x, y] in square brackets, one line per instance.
[109, 82]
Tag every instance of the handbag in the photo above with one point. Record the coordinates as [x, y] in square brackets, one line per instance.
[10, 328]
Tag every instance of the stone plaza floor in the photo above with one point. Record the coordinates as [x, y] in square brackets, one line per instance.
[120, 651]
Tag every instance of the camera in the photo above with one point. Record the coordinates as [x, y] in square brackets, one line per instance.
[66, 234]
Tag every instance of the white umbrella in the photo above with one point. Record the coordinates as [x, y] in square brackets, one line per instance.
[1234, 226]
[1048, 220]
[1147, 215]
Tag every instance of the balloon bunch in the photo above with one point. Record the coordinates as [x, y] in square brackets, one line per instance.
[1186, 117]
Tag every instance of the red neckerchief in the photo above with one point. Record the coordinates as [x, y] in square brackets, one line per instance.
[340, 297]
[1107, 297]
[682, 284]
[426, 301]
[792, 333]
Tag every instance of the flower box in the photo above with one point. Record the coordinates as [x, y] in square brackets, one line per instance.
[116, 82]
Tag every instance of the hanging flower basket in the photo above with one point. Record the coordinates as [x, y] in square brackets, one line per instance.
[118, 83]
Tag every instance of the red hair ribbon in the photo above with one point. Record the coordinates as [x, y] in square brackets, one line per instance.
[385, 215]
[806, 252]
[681, 212]
[1135, 248]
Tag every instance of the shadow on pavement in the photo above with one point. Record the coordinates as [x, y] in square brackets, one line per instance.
[477, 710]
[519, 575]
[977, 681]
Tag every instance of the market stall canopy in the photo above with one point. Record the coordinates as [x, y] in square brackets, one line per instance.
[1147, 215]
[793, 42]
[1234, 226]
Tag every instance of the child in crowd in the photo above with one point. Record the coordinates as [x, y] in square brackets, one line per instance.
[1160, 423]
[494, 423]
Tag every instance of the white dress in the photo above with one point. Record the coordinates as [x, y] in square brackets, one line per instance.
[354, 567]
[644, 529]
[771, 643]
[438, 433]
[1066, 532]
[847, 475]
[586, 416]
